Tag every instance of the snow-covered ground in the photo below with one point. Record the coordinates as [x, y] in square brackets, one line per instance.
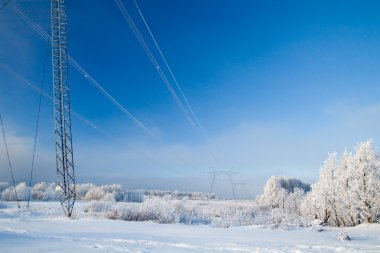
[43, 228]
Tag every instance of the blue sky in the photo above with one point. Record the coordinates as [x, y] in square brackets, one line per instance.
[275, 84]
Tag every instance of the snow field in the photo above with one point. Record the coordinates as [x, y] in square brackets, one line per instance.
[43, 228]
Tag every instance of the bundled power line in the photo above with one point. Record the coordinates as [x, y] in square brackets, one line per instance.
[40, 31]
[37, 89]
[37, 125]
[5, 4]
[189, 112]
[153, 60]
[88, 122]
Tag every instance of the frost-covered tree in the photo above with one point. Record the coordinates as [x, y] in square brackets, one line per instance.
[284, 193]
[9, 193]
[343, 188]
[329, 191]
[95, 193]
[347, 192]
[321, 201]
[44, 191]
[82, 189]
[365, 181]
[293, 201]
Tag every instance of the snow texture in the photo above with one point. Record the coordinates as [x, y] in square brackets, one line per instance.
[42, 228]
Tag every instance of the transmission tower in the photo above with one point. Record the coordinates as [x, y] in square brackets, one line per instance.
[226, 173]
[62, 119]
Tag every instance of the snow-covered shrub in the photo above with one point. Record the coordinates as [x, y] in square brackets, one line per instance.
[290, 219]
[175, 195]
[219, 214]
[262, 215]
[154, 210]
[190, 214]
[342, 236]
[98, 207]
[234, 217]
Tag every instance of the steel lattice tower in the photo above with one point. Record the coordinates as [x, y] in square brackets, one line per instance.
[62, 119]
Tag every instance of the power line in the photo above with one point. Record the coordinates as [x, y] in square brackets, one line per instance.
[92, 125]
[37, 124]
[5, 4]
[9, 161]
[37, 89]
[93, 82]
[171, 72]
[153, 60]
[192, 116]
[40, 31]
[109, 96]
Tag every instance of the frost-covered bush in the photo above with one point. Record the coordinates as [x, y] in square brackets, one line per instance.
[154, 210]
[190, 214]
[234, 217]
[289, 219]
[98, 207]
[214, 213]
[175, 195]
[278, 218]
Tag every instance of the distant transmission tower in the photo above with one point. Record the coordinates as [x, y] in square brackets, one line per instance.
[227, 173]
[62, 119]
